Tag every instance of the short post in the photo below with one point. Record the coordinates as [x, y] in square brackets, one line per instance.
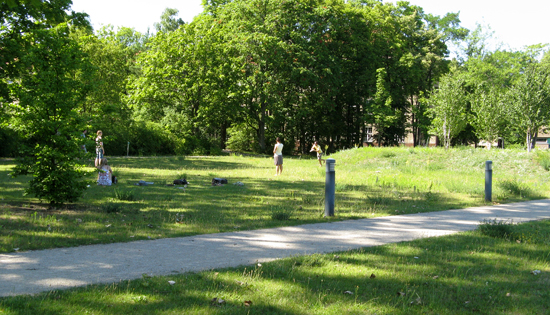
[128, 149]
[330, 183]
[488, 180]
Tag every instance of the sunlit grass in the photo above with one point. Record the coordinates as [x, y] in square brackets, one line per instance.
[370, 182]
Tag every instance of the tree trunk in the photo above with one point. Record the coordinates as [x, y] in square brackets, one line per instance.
[261, 128]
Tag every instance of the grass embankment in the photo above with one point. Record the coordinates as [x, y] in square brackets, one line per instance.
[370, 182]
[467, 273]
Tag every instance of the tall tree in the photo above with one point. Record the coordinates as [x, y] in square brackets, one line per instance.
[47, 95]
[529, 101]
[448, 107]
[179, 84]
[489, 116]
[169, 21]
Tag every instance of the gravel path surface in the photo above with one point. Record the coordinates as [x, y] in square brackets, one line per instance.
[36, 271]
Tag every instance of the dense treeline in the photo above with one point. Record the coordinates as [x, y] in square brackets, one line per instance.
[247, 71]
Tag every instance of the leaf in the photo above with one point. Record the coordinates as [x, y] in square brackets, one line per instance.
[348, 292]
[372, 276]
[247, 303]
[400, 293]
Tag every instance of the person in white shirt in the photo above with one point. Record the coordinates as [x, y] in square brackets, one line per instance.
[278, 157]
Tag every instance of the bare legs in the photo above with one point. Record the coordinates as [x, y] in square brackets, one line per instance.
[278, 170]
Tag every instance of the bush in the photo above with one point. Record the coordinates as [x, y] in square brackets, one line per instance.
[242, 138]
[10, 141]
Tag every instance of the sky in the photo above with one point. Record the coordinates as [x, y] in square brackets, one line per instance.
[515, 24]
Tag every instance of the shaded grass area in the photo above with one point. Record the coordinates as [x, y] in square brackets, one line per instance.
[467, 273]
[370, 182]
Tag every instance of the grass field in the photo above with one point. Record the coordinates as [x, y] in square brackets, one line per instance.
[468, 273]
[370, 182]
[497, 269]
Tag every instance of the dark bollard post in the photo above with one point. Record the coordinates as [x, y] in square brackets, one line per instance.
[330, 183]
[488, 180]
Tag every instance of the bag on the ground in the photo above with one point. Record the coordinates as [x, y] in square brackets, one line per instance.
[180, 182]
[218, 181]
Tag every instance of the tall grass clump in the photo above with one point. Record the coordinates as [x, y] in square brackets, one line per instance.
[497, 229]
[515, 188]
[543, 158]
[125, 195]
[281, 213]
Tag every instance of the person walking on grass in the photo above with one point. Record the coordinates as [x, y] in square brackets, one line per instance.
[99, 150]
[317, 148]
[278, 157]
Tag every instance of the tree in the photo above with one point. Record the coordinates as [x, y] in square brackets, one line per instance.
[382, 115]
[180, 84]
[168, 21]
[46, 97]
[529, 101]
[489, 116]
[448, 107]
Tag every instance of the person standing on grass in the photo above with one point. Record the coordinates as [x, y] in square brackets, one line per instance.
[278, 157]
[317, 148]
[99, 150]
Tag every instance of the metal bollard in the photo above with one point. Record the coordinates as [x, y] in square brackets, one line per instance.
[329, 187]
[488, 180]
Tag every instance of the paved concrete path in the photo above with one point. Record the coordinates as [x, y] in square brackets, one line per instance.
[37, 271]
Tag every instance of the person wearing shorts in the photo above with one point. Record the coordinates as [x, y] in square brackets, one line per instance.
[278, 157]
[317, 148]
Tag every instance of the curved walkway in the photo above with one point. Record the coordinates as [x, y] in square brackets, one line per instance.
[44, 270]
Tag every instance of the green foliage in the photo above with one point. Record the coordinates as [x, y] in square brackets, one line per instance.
[46, 113]
[448, 108]
[529, 101]
[242, 138]
[10, 141]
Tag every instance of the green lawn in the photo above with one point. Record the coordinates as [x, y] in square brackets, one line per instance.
[369, 182]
